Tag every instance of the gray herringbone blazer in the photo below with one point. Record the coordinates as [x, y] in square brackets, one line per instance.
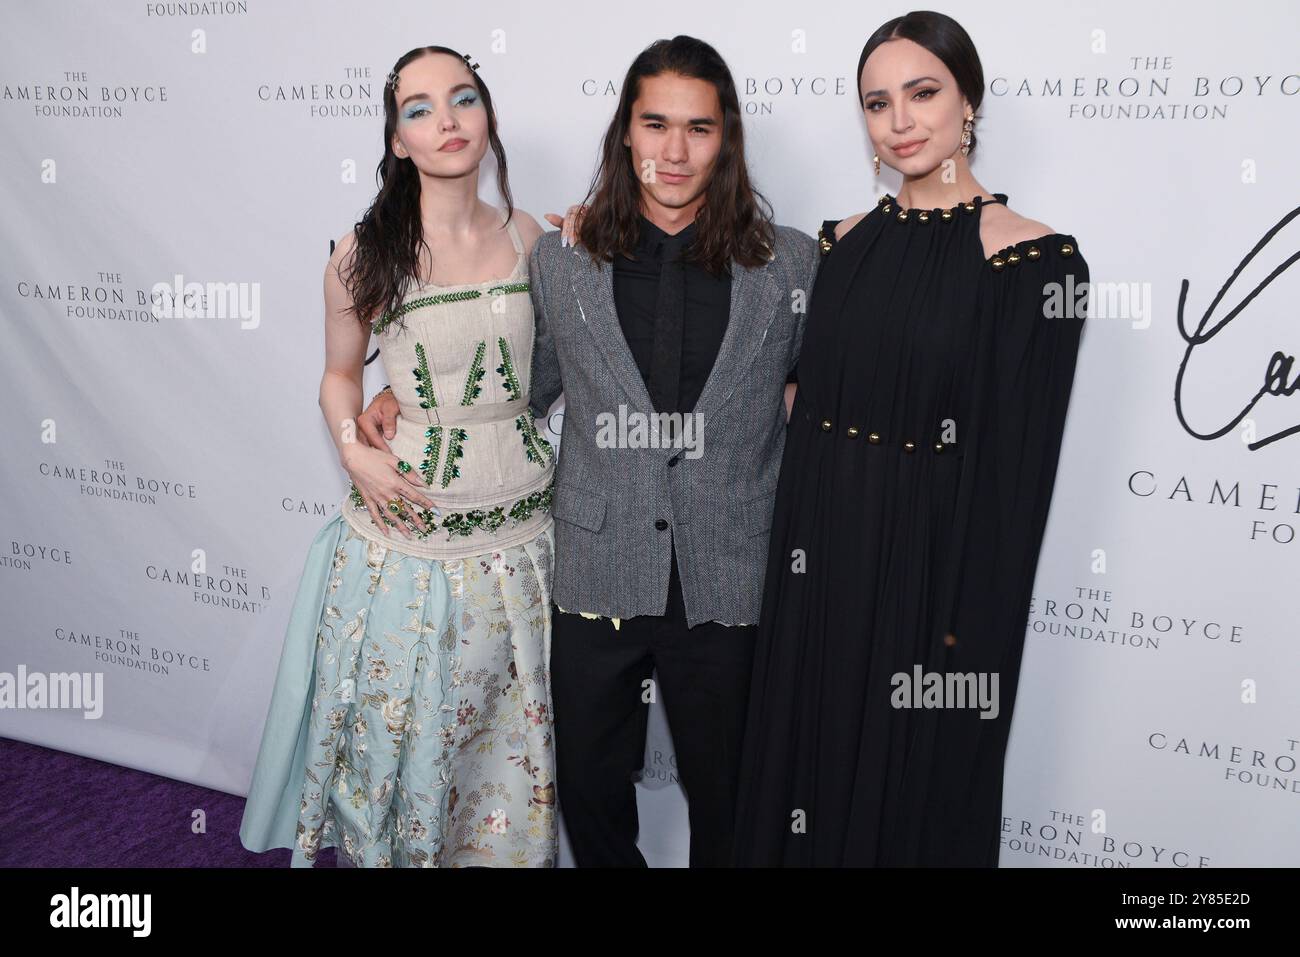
[616, 507]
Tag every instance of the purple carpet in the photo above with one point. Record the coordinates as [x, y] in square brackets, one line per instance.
[62, 810]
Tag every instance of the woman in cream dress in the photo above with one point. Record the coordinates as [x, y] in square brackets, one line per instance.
[410, 723]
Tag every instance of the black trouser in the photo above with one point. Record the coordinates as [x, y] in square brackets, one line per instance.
[598, 691]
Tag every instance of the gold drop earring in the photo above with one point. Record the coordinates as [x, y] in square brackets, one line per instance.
[876, 161]
[965, 134]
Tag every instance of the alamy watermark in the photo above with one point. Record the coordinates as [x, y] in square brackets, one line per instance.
[77, 691]
[946, 689]
[210, 300]
[1099, 300]
[651, 430]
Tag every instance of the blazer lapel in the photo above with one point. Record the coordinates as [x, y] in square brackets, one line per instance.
[748, 321]
[594, 288]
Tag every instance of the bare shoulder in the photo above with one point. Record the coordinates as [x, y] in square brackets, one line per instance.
[844, 225]
[344, 247]
[1001, 227]
[529, 229]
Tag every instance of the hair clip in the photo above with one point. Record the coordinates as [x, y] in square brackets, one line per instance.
[391, 80]
[469, 62]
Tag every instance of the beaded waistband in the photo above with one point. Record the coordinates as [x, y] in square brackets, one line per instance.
[466, 414]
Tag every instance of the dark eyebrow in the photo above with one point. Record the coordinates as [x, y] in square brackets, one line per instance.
[425, 96]
[698, 121]
[906, 86]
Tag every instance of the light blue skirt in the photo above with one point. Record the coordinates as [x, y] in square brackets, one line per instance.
[410, 723]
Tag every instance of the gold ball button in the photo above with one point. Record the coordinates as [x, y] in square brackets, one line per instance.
[923, 216]
[909, 446]
[938, 447]
[969, 207]
[826, 425]
[1067, 249]
[997, 263]
[888, 207]
[873, 438]
[1014, 259]
[946, 215]
[902, 215]
[852, 431]
[1033, 252]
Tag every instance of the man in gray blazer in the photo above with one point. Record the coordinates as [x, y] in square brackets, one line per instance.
[670, 326]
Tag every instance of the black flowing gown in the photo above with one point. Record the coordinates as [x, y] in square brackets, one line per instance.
[918, 469]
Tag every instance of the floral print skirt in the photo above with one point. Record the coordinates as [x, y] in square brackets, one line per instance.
[410, 725]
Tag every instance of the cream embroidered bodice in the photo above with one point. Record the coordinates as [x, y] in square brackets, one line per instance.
[458, 363]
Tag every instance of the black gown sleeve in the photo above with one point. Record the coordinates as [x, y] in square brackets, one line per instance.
[825, 241]
[1030, 328]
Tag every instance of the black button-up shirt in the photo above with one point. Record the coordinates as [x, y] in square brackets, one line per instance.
[674, 315]
[655, 292]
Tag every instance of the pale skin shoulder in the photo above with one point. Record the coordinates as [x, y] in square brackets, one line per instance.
[845, 225]
[1001, 227]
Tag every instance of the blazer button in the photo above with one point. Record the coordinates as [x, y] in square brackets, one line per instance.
[661, 524]
[873, 438]
[938, 447]
[852, 431]
[826, 425]
[909, 446]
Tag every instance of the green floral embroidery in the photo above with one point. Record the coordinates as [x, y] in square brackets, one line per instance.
[507, 369]
[389, 317]
[456, 437]
[489, 520]
[434, 434]
[450, 468]
[523, 509]
[424, 389]
[423, 380]
[535, 447]
[472, 388]
[465, 523]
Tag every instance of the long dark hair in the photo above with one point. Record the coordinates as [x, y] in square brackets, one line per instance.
[946, 39]
[735, 221]
[389, 235]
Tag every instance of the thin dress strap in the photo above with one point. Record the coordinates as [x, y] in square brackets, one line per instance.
[514, 234]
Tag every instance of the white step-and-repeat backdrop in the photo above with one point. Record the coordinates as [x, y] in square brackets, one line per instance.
[229, 142]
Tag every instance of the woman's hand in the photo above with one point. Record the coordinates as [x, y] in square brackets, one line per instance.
[379, 422]
[569, 224]
[376, 476]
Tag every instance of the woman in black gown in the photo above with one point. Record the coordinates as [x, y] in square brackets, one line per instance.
[918, 469]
